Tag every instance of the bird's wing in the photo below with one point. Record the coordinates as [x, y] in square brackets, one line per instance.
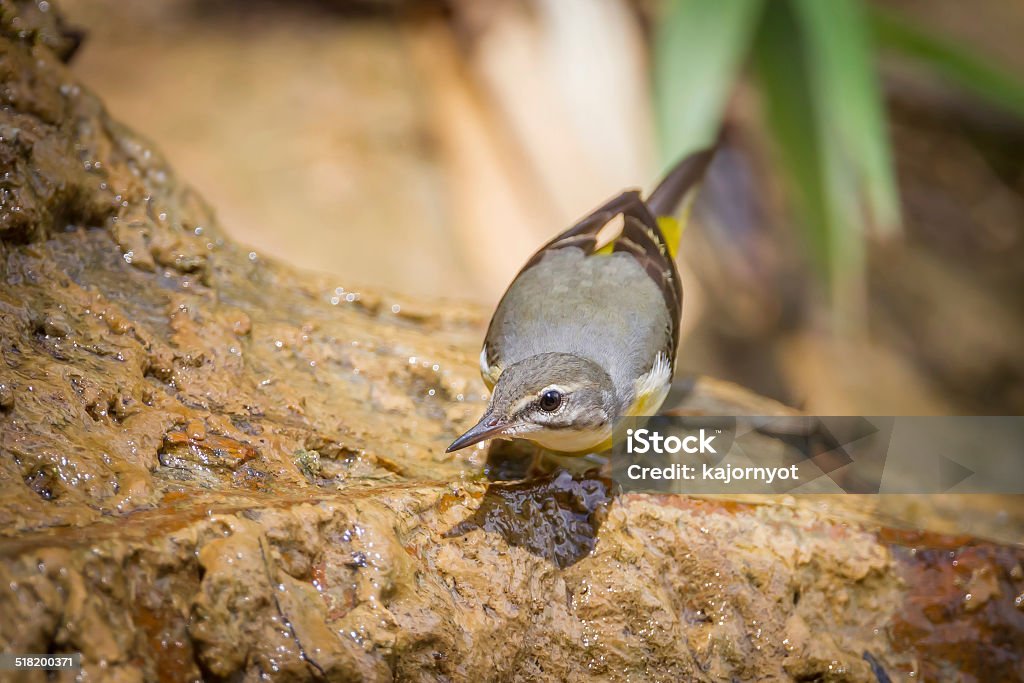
[642, 239]
[584, 234]
[649, 233]
[639, 237]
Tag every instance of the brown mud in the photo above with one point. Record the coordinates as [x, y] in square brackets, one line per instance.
[213, 466]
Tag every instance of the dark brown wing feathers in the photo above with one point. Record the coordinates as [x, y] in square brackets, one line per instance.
[642, 238]
[584, 233]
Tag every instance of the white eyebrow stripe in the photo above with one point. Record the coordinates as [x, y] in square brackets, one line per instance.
[527, 400]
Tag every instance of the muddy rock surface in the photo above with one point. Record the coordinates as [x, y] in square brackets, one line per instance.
[215, 467]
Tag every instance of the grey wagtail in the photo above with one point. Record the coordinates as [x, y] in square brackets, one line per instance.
[587, 331]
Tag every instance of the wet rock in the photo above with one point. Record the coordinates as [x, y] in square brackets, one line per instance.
[556, 517]
[308, 463]
[214, 466]
[193, 449]
[6, 396]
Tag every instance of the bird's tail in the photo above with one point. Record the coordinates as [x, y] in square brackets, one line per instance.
[671, 200]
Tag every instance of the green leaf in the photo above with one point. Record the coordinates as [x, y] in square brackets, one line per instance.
[950, 61]
[849, 108]
[699, 48]
[780, 69]
[812, 137]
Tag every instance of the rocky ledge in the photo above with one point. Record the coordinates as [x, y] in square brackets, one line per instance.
[212, 466]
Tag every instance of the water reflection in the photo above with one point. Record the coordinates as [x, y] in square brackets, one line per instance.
[555, 516]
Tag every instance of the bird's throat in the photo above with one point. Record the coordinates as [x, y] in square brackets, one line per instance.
[573, 441]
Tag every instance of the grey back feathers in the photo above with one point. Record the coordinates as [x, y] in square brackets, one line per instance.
[604, 309]
[620, 310]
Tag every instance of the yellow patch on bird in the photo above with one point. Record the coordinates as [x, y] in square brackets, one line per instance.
[648, 404]
[672, 228]
[651, 388]
[673, 232]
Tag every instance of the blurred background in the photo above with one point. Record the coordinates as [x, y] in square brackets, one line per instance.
[858, 248]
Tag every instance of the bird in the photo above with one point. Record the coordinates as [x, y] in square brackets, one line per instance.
[587, 331]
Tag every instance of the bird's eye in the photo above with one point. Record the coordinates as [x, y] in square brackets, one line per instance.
[550, 400]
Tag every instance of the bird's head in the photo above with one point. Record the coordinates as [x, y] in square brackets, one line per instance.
[561, 401]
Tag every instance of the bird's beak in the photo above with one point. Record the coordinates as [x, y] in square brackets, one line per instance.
[487, 427]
